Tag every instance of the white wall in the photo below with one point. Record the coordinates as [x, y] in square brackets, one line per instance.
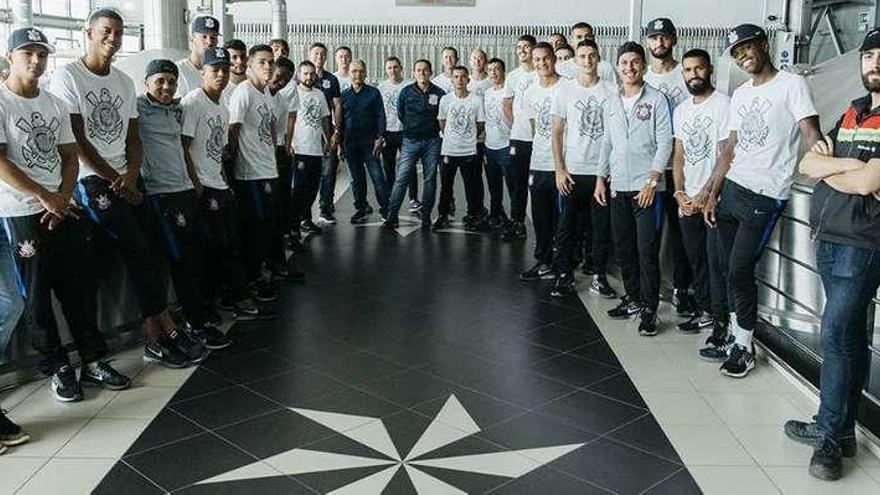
[604, 12]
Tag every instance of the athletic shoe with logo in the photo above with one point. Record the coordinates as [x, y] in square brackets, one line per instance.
[64, 385]
[648, 323]
[327, 217]
[190, 345]
[10, 433]
[810, 434]
[684, 303]
[739, 362]
[696, 323]
[214, 338]
[359, 217]
[540, 271]
[600, 286]
[309, 227]
[166, 353]
[515, 231]
[564, 285]
[103, 376]
[718, 344]
[441, 223]
[627, 308]
[414, 205]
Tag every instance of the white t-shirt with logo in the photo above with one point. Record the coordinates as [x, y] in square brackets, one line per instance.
[106, 104]
[497, 129]
[308, 134]
[344, 81]
[582, 109]
[700, 127]
[461, 116]
[188, 79]
[207, 123]
[518, 81]
[539, 105]
[670, 84]
[390, 91]
[765, 119]
[32, 130]
[286, 102]
[444, 82]
[571, 70]
[255, 111]
[479, 87]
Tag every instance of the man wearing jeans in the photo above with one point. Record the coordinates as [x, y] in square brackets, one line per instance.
[845, 220]
[10, 302]
[417, 107]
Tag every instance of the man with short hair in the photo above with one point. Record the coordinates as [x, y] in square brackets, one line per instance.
[769, 115]
[343, 66]
[238, 62]
[517, 175]
[557, 40]
[390, 89]
[328, 84]
[564, 53]
[636, 149]
[280, 48]
[364, 125]
[204, 32]
[497, 142]
[417, 107]
[579, 32]
[449, 61]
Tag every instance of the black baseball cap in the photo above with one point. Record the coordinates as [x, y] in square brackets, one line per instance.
[159, 66]
[631, 47]
[205, 24]
[743, 33]
[216, 56]
[872, 40]
[28, 36]
[660, 25]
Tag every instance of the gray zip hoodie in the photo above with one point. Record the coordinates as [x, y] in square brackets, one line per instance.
[637, 142]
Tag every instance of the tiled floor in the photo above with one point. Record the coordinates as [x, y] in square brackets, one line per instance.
[416, 363]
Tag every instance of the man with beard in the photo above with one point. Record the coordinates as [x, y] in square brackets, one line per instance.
[390, 89]
[665, 74]
[700, 127]
[845, 219]
[204, 32]
[238, 62]
[769, 114]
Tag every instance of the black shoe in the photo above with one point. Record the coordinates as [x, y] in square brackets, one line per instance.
[296, 245]
[718, 344]
[696, 323]
[810, 434]
[541, 271]
[589, 268]
[441, 223]
[826, 463]
[189, 344]
[600, 286]
[390, 224]
[359, 217]
[564, 285]
[648, 323]
[10, 433]
[212, 316]
[225, 304]
[265, 292]
[497, 221]
[327, 217]
[682, 301]
[478, 224]
[164, 352]
[739, 363]
[64, 385]
[368, 210]
[310, 227]
[514, 231]
[214, 339]
[625, 309]
[103, 376]
[414, 206]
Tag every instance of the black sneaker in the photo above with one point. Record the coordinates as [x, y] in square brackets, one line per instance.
[497, 221]
[541, 271]
[327, 217]
[600, 286]
[10, 433]
[718, 344]
[390, 225]
[359, 216]
[225, 304]
[164, 352]
[696, 323]
[103, 376]
[589, 268]
[625, 309]
[310, 227]
[564, 285]
[214, 339]
[64, 385]
[265, 292]
[414, 206]
[296, 245]
[478, 224]
[441, 223]
[826, 463]
[189, 345]
[514, 231]
[368, 210]
[648, 323]
[810, 434]
[684, 303]
[212, 316]
[739, 362]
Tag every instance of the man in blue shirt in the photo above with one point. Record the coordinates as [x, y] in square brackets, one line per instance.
[417, 107]
[363, 126]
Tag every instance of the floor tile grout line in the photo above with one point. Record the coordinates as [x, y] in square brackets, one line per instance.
[142, 475]
[664, 480]
[31, 477]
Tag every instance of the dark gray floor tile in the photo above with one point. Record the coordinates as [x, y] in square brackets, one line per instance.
[224, 407]
[592, 412]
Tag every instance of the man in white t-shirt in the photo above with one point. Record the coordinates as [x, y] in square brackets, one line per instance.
[390, 89]
[665, 74]
[538, 103]
[517, 174]
[578, 131]
[38, 172]
[238, 62]
[770, 114]
[700, 128]
[449, 60]
[204, 32]
[579, 32]
[461, 121]
[103, 115]
[497, 142]
[343, 65]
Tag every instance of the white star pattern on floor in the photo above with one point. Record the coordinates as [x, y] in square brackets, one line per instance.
[452, 423]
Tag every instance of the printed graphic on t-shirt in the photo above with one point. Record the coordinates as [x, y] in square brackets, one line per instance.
[391, 100]
[754, 130]
[591, 124]
[461, 120]
[674, 93]
[310, 113]
[104, 120]
[264, 130]
[698, 143]
[493, 111]
[543, 122]
[39, 149]
[214, 143]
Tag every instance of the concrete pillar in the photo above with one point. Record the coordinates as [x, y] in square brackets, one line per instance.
[22, 13]
[165, 25]
[279, 18]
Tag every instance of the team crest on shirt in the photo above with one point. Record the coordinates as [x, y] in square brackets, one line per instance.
[673, 93]
[433, 100]
[461, 120]
[264, 128]
[697, 144]
[104, 121]
[325, 84]
[591, 123]
[39, 149]
[644, 110]
[213, 204]
[180, 219]
[102, 201]
[754, 130]
[543, 122]
[267, 187]
[27, 248]
[214, 143]
[310, 113]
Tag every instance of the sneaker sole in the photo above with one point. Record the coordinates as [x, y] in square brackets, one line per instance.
[603, 296]
[3, 449]
[825, 474]
[749, 367]
[12, 442]
[689, 331]
[66, 399]
[166, 364]
[217, 347]
[647, 334]
[712, 360]
[97, 384]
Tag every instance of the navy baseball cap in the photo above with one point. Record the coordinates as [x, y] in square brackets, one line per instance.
[205, 24]
[661, 25]
[216, 56]
[743, 33]
[28, 36]
[872, 40]
[160, 65]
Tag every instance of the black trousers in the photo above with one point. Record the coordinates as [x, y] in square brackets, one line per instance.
[472, 176]
[517, 178]
[259, 231]
[223, 260]
[637, 234]
[177, 219]
[745, 223]
[696, 244]
[393, 141]
[285, 190]
[125, 225]
[682, 276]
[545, 204]
[717, 276]
[56, 261]
[573, 208]
[306, 183]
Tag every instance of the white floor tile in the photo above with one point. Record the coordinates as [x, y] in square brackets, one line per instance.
[660, 379]
[17, 470]
[41, 404]
[753, 408]
[103, 438]
[137, 403]
[808, 406]
[48, 435]
[769, 446]
[15, 396]
[761, 379]
[874, 473]
[796, 481]
[866, 459]
[680, 408]
[707, 446]
[68, 476]
[160, 376]
[733, 480]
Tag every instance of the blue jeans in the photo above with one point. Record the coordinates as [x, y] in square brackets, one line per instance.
[850, 276]
[428, 150]
[329, 168]
[11, 304]
[359, 154]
